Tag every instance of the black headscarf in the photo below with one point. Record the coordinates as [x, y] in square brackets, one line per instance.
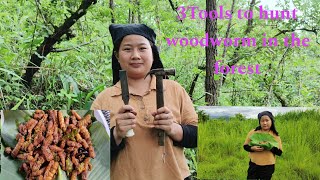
[269, 114]
[119, 31]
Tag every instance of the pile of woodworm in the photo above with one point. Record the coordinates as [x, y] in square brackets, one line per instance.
[48, 140]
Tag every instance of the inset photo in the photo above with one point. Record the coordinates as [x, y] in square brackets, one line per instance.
[258, 143]
[55, 144]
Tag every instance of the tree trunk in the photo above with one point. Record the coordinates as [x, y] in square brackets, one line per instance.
[139, 11]
[234, 94]
[211, 86]
[130, 14]
[193, 85]
[111, 6]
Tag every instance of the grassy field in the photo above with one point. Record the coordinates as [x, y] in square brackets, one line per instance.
[221, 154]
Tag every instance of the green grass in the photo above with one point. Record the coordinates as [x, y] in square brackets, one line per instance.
[221, 155]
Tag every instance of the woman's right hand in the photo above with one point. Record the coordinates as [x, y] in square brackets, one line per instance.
[125, 120]
[257, 148]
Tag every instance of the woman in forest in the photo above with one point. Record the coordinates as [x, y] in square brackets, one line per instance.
[140, 157]
[263, 143]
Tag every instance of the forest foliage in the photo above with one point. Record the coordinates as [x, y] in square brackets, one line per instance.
[79, 65]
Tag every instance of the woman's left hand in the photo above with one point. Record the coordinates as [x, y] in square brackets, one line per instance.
[164, 119]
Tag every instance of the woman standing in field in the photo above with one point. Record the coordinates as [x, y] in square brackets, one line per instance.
[263, 143]
[140, 157]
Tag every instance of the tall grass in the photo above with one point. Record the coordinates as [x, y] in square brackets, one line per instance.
[221, 155]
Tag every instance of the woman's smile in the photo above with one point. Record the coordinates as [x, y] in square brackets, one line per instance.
[136, 64]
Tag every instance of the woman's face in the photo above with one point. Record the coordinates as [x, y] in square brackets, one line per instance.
[135, 56]
[265, 123]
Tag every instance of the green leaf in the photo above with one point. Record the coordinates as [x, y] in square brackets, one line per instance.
[18, 104]
[216, 77]
[69, 84]
[264, 140]
[62, 175]
[9, 167]
[11, 73]
[9, 128]
[98, 88]
[101, 163]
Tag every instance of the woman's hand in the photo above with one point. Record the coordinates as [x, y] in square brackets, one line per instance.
[125, 120]
[164, 120]
[257, 148]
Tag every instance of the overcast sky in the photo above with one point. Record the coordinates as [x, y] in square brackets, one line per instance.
[272, 4]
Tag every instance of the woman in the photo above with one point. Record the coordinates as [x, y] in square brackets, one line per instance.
[140, 157]
[262, 161]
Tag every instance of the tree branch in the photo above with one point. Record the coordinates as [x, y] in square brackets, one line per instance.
[271, 85]
[38, 7]
[227, 36]
[193, 85]
[250, 20]
[228, 29]
[235, 56]
[314, 30]
[111, 6]
[174, 8]
[281, 100]
[74, 48]
[47, 45]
